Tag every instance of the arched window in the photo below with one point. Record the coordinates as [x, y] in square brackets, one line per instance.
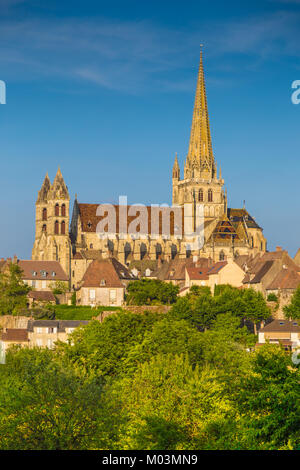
[210, 195]
[221, 256]
[56, 209]
[63, 227]
[200, 195]
[44, 214]
[63, 210]
[56, 227]
[44, 228]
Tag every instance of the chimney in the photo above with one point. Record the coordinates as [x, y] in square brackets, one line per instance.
[278, 248]
[15, 260]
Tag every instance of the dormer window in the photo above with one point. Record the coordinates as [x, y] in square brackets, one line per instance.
[53, 273]
[102, 282]
[43, 273]
[34, 273]
[89, 224]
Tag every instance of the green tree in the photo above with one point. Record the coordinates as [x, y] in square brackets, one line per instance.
[167, 336]
[104, 347]
[46, 405]
[13, 291]
[292, 311]
[269, 399]
[151, 291]
[168, 404]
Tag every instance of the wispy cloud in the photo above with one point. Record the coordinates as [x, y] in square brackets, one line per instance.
[131, 56]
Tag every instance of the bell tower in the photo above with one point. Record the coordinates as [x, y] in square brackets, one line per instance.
[52, 241]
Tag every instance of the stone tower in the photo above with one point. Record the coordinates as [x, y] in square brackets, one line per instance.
[52, 241]
[200, 184]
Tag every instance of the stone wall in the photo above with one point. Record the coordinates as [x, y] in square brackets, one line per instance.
[10, 321]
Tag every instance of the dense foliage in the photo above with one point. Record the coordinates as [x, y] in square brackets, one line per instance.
[292, 311]
[13, 291]
[151, 292]
[189, 379]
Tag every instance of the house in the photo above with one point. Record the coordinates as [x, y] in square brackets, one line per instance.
[44, 333]
[222, 272]
[39, 333]
[104, 283]
[173, 271]
[262, 270]
[284, 332]
[12, 336]
[40, 298]
[40, 275]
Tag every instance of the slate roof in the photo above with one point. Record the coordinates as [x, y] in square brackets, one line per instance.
[241, 215]
[61, 325]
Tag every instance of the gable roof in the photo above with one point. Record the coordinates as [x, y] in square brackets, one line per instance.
[264, 267]
[292, 326]
[53, 270]
[173, 270]
[109, 270]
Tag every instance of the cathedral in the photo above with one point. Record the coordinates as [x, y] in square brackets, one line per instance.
[227, 232]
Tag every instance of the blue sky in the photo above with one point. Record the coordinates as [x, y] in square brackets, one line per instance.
[106, 90]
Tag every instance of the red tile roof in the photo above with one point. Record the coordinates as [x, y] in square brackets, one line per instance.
[108, 270]
[89, 219]
[292, 326]
[46, 296]
[17, 335]
[30, 267]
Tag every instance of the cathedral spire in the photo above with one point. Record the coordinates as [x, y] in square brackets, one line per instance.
[200, 159]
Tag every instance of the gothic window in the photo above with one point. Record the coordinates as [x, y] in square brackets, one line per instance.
[221, 256]
[44, 228]
[91, 246]
[44, 215]
[200, 195]
[56, 209]
[63, 210]
[63, 228]
[210, 195]
[56, 227]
